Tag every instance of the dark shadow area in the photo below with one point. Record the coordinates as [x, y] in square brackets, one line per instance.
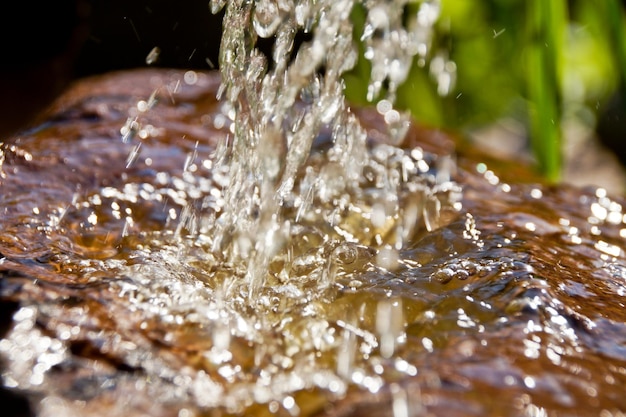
[612, 126]
[14, 404]
[123, 33]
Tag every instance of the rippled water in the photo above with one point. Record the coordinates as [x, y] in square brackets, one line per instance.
[508, 301]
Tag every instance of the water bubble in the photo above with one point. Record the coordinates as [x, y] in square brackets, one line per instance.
[383, 106]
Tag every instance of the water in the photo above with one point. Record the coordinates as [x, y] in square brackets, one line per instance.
[280, 106]
[210, 275]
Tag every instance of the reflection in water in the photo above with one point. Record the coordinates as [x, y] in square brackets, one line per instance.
[511, 304]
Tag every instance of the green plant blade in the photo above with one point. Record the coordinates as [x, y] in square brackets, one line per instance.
[547, 23]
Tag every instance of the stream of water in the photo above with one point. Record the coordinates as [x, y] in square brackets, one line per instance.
[281, 105]
[275, 252]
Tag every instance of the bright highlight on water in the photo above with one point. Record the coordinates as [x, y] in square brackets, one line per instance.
[278, 252]
[376, 197]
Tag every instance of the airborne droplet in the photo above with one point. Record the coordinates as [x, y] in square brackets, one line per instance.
[153, 56]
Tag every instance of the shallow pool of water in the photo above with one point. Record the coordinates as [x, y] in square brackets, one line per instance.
[507, 297]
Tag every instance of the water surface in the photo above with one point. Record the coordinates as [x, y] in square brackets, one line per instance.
[506, 297]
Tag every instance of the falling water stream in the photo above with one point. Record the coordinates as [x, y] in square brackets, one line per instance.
[276, 251]
[279, 109]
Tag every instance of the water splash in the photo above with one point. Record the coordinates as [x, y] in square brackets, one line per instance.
[281, 107]
[309, 202]
[294, 205]
[376, 303]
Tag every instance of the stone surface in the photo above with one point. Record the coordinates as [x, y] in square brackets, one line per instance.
[514, 306]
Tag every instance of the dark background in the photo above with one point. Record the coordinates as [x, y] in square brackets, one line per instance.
[44, 44]
[122, 34]
[110, 34]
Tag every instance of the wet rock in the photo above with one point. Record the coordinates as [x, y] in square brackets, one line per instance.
[511, 304]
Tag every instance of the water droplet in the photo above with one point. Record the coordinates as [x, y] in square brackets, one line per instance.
[190, 77]
[153, 56]
[389, 325]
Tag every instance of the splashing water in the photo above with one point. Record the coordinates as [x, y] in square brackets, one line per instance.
[308, 201]
[281, 107]
[294, 204]
[509, 308]
[293, 222]
[304, 265]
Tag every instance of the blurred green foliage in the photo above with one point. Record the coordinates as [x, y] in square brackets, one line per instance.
[540, 62]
